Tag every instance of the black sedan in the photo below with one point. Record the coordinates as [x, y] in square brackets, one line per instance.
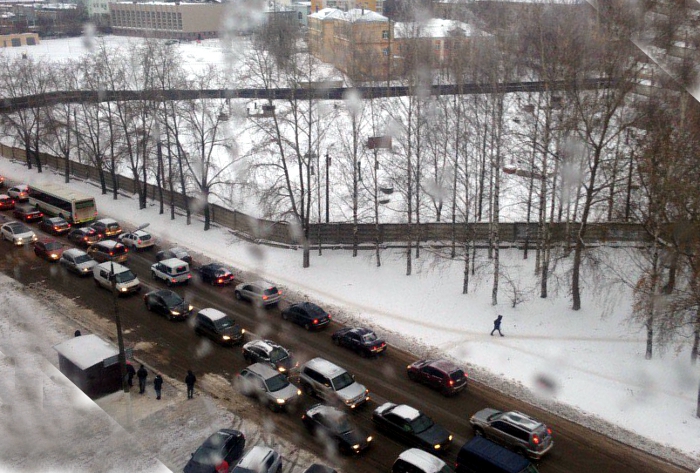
[224, 444]
[27, 213]
[329, 423]
[269, 352]
[84, 236]
[307, 314]
[216, 274]
[411, 427]
[361, 340]
[167, 303]
[54, 225]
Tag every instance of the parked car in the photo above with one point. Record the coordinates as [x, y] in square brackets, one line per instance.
[224, 444]
[439, 374]
[108, 250]
[27, 213]
[269, 385]
[515, 430]
[328, 381]
[308, 315]
[328, 423]
[267, 351]
[54, 225]
[412, 427]
[2, 180]
[260, 293]
[18, 233]
[479, 455]
[167, 303]
[125, 280]
[360, 339]
[6, 202]
[107, 227]
[138, 240]
[172, 271]
[259, 460]
[84, 236]
[175, 252]
[77, 261]
[19, 192]
[49, 249]
[218, 326]
[414, 460]
[216, 274]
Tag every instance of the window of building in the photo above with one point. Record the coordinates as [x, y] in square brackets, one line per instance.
[31, 41]
[437, 46]
[16, 42]
[385, 51]
[385, 34]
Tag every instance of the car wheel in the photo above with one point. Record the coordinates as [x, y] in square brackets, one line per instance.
[308, 390]
[238, 295]
[307, 326]
[168, 283]
[285, 316]
[153, 274]
[148, 306]
[478, 431]
[336, 341]
[279, 468]
[169, 316]
[412, 376]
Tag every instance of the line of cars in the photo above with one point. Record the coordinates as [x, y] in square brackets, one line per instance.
[266, 377]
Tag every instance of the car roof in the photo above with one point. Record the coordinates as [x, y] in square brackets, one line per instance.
[48, 240]
[108, 243]
[444, 365]
[262, 283]
[214, 439]
[107, 221]
[361, 330]
[267, 345]
[263, 369]
[118, 268]
[5, 196]
[53, 219]
[17, 225]
[522, 420]
[324, 366]
[255, 456]
[74, 252]
[406, 412]
[163, 292]
[172, 262]
[141, 233]
[212, 314]
[423, 460]
[325, 410]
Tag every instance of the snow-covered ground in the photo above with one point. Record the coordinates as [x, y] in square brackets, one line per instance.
[587, 365]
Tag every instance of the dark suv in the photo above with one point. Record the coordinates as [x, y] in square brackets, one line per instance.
[218, 326]
[308, 315]
[441, 375]
[514, 430]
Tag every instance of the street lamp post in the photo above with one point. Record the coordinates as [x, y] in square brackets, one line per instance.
[328, 165]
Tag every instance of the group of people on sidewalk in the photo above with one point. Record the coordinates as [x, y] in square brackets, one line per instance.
[142, 375]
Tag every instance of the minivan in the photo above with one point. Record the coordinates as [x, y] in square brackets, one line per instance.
[480, 455]
[332, 383]
[172, 271]
[126, 281]
[108, 250]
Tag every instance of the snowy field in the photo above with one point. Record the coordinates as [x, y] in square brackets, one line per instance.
[587, 365]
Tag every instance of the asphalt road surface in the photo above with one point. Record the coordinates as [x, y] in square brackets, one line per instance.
[174, 348]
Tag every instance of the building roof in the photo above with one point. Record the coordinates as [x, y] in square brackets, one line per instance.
[86, 351]
[434, 28]
[352, 16]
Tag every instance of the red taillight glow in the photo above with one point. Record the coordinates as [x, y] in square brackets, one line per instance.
[535, 439]
[111, 253]
[315, 321]
[264, 298]
[139, 242]
[189, 276]
[451, 383]
[220, 280]
[549, 431]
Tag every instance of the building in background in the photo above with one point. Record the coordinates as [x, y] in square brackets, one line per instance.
[347, 5]
[17, 40]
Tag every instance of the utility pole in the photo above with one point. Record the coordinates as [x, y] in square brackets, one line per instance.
[120, 335]
[328, 165]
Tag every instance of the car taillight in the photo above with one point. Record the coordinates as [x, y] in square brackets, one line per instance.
[329, 315]
[55, 227]
[173, 280]
[85, 238]
[138, 241]
[535, 439]
[126, 250]
[549, 431]
[264, 298]
[220, 280]
[41, 214]
[111, 253]
[451, 383]
[315, 321]
[189, 276]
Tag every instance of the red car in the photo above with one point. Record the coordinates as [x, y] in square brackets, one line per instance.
[441, 375]
[6, 202]
[49, 249]
[28, 213]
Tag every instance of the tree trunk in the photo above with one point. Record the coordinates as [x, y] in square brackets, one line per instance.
[696, 338]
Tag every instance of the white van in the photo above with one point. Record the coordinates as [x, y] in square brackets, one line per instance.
[127, 282]
[172, 271]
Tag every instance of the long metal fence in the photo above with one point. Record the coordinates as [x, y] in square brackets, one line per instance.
[342, 234]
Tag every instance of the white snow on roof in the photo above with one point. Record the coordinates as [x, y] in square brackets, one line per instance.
[407, 412]
[213, 314]
[86, 351]
[424, 460]
[433, 28]
[354, 15]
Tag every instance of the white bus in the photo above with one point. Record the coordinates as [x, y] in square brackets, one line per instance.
[73, 206]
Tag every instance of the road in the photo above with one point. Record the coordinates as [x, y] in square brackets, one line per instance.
[173, 348]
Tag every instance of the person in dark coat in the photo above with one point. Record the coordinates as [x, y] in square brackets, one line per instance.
[497, 325]
[190, 379]
[142, 374]
[77, 333]
[158, 385]
[130, 373]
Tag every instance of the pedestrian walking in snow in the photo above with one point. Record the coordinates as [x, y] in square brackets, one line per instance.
[142, 374]
[130, 373]
[190, 379]
[497, 325]
[158, 385]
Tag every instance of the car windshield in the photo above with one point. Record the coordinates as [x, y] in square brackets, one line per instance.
[369, 337]
[457, 375]
[342, 381]
[421, 423]
[271, 291]
[54, 245]
[224, 323]
[19, 228]
[220, 273]
[339, 424]
[126, 276]
[207, 456]
[171, 299]
[278, 354]
[82, 259]
[277, 382]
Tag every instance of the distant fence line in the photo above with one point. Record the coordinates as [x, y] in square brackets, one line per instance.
[341, 234]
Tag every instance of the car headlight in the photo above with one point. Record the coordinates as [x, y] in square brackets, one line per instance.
[226, 337]
[298, 392]
[124, 289]
[280, 401]
[190, 307]
[356, 446]
[242, 331]
[175, 312]
[369, 439]
[437, 446]
[449, 438]
[281, 369]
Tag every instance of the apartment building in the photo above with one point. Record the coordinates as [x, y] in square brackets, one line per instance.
[185, 21]
[438, 38]
[347, 5]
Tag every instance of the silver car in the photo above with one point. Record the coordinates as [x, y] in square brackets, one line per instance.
[77, 261]
[18, 233]
[514, 430]
[259, 460]
[269, 385]
[260, 293]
